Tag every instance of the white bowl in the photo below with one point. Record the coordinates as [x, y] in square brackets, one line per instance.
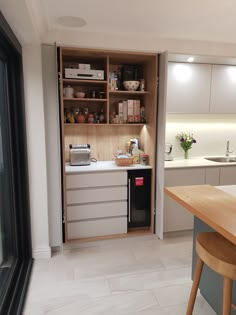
[131, 85]
[80, 94]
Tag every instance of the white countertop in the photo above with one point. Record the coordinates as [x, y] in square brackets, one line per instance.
[230, 189]
[103, 166]
[195, 162]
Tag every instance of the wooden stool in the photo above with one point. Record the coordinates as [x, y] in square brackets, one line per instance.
[220, 255]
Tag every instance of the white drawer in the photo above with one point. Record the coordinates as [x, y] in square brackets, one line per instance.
[96, 195]
[94, 228]
[96, 179]
[96, 210]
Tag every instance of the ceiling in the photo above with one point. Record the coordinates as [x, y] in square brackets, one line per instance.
[208, 20]
[202, 20]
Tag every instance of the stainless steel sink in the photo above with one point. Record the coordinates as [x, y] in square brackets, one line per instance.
[222, 159]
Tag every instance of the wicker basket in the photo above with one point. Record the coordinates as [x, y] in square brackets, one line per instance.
[124, 161]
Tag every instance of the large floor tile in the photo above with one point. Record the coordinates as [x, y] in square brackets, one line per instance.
[172, 295]
[129, 276]
[150, 280]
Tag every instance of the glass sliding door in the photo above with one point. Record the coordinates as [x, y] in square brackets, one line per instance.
[8, 248]
[15, 237]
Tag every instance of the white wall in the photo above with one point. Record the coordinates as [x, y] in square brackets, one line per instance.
[211, 132]
[35, 128]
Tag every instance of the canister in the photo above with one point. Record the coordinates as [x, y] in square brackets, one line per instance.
[144, 159]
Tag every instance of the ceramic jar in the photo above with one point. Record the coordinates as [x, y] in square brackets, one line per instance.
[68, 92]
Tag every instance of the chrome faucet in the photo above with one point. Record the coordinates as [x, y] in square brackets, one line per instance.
[227, 153]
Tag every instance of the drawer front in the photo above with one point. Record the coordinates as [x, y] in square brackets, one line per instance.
[101, 227]
[96, 195]
[85, 180]
[96, 210]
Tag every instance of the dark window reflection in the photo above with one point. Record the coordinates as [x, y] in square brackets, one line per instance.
[7, 207]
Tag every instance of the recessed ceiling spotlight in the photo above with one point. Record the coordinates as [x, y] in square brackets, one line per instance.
[71, 21]
[190, 59]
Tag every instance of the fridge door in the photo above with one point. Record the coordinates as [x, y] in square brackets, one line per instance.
[139, 198]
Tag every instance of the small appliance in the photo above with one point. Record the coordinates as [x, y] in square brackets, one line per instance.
[84, 74]
[80, 154]
[168, 150]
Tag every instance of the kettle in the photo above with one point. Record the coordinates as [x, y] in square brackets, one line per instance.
[168, 150]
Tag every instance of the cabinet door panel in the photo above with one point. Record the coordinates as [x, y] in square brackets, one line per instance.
[228, 175]
[95, 228]
[223, 89]
[96, 210]
[213, 176]
[97, 179]
[96, 195]
[184, 177]
[177, 218]
[188, 88]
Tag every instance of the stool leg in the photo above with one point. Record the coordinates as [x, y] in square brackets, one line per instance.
[196, 280]
[227, 295]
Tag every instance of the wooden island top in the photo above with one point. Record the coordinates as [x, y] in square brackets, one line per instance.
[211, 205]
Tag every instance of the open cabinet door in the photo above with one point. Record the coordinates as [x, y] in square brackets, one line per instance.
[52, 131]
[160, 145]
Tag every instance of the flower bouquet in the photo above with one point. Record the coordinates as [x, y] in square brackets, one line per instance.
[186, 140]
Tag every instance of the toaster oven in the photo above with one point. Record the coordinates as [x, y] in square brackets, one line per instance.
[80, 154]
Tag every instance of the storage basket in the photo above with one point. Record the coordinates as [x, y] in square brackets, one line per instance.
[124, 161]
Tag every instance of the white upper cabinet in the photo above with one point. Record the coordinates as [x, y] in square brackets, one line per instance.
[223, 89]
[188, 88]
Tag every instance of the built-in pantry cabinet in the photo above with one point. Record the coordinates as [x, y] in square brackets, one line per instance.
[201, 88]
[177, 218]
[90, 210]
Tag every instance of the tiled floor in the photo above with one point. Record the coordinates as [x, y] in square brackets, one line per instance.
[138, 275]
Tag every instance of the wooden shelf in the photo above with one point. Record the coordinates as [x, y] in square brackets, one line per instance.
[74, 99]
[129, 124]
[129, 92]
[104, 124]
[85, 124]
[84, 82]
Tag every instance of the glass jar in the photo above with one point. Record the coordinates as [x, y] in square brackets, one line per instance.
[90, 119]
[144, 159]
[101, 95]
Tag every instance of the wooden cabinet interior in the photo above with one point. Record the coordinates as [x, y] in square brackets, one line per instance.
[106, 138]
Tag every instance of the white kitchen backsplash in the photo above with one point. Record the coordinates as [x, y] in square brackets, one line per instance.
[210, 131]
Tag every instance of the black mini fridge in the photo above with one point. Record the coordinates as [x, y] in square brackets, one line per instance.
[139, 198]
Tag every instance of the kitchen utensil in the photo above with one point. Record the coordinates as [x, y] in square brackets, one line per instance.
[131, 85]
[79, 94]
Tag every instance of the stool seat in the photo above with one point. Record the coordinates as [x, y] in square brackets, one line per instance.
[220, 255]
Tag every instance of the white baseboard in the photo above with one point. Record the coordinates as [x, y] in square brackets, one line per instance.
[42, 252]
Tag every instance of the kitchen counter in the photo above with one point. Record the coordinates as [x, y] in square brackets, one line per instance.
[195, 162]
[102, 166]
[213, 206]
[214, 210]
